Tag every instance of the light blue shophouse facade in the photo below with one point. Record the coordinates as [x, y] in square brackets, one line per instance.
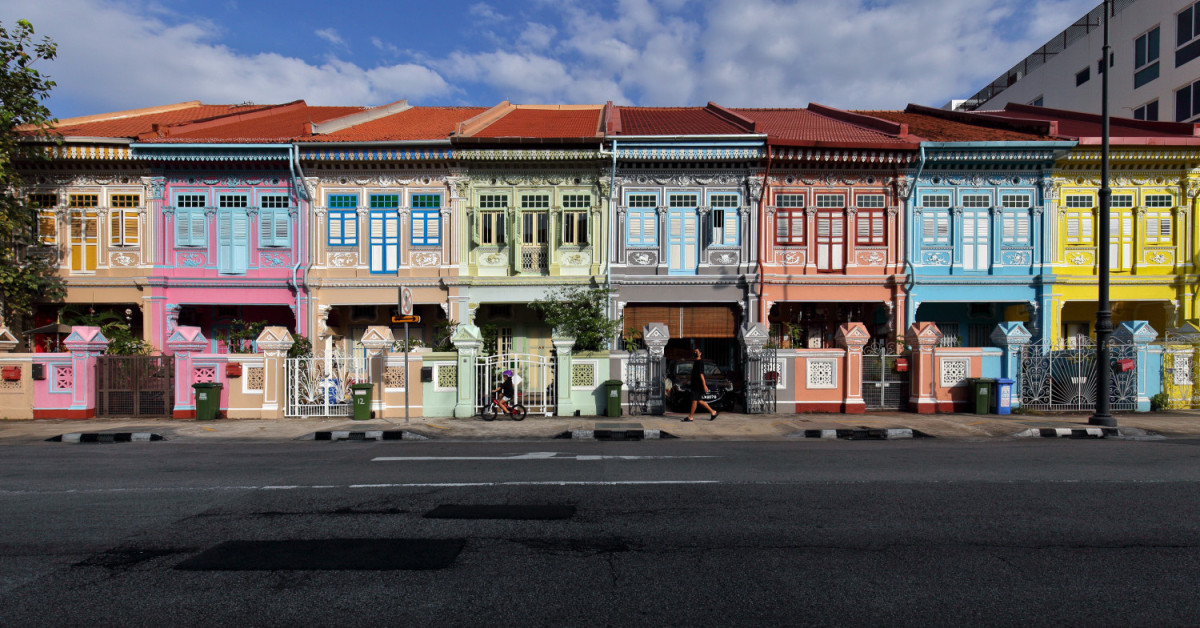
[978, 236]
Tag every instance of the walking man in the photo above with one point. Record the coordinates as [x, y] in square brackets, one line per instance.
[696, 390]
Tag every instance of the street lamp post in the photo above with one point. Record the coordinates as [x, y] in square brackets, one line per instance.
[1104, 327]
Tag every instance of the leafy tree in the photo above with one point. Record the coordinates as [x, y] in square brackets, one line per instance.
[27, 277]
[582, 313]
[301, 347]
[242, 335]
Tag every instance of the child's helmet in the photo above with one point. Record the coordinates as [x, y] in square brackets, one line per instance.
[508, 373]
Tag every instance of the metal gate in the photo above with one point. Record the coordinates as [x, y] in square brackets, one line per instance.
[135, 385]
[320, 386]
[644, 383]
[1181, 371]
[884, 385]
[1064, 377]
[533, 380]
[762, 380]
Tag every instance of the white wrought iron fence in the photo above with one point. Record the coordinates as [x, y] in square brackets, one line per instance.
[533, 380]
[320, 386]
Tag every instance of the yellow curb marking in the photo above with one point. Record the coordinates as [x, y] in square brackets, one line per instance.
[977, 423]
[210, 429]
[437, 426]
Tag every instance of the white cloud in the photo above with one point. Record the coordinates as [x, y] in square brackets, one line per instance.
[142, 60]
[537, 36]
[331, 35]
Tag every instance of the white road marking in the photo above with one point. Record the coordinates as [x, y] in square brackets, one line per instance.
[197, 489]
[535, 455]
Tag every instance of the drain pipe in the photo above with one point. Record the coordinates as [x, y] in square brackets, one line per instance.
[762, 239]
[301, 231]
[612, 190]
[909, 242]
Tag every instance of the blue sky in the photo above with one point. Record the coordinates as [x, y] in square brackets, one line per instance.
[861, 54]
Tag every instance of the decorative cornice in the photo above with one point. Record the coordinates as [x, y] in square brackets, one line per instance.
[526, 154]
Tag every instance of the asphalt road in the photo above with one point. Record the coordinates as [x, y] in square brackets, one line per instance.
[1037, 532]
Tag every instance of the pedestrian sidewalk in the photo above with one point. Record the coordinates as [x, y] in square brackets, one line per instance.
[732, 427]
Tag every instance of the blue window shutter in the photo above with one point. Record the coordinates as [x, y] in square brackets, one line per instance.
[266, 227]
[224, 241]
[241, 241]
[183, 227]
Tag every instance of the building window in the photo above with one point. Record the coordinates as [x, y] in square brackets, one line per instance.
[1038, 102]
[535, 225]
[1187, 102]
[1079, 228]
[535, 201]
[343, 220]
[642, 217]
[1148, 111]
[1015, 201]
[935, 229]
[1080, 200]
[1145, 58]
[1015, 228]
[724, 219]
[233, 234]
[1120, 200]
[575, 218]
[1187, 34]
[123, 219]
[190, 220]
[870, 223]
[936, 200]
[384, 241]
[789, 219]
[84, 231]
[1082, 76]
[830, 200]
[274, 220]
[976, 200]
[491, 228]
[1158, 228]
[47, 222]
[1160, 200]
[426, 219]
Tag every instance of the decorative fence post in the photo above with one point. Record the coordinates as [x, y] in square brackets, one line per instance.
[564, 347]
[656, 335]
[274, 342]
[375, 340]
[8, 341]
[467, 340]
[1140, 334]
[922, 337]
[1011, 336]
[853, 337]
[85, 344]
[184, 342]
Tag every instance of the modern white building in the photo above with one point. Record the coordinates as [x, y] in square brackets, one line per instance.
[1155, 65]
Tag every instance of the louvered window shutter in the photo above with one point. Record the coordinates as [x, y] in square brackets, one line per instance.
[224, 241]
[241, 241]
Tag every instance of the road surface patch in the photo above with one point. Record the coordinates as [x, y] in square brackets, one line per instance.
[327, 555]
[502, 511]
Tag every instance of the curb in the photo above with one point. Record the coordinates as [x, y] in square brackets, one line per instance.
[338, 435]
[106, 437]
[616, 434]
[1068, 432]
[864, 434]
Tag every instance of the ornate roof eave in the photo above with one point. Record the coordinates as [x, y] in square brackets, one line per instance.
[1147, 154]
[70, 150]
[684, 152]
[528, 154]
[377, 153]
[997, 152]
[212, 152]
[844, 156]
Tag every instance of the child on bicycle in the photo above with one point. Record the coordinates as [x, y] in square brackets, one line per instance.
[505, 388]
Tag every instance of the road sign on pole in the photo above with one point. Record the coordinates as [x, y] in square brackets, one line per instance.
[406, 302]
[406, 319]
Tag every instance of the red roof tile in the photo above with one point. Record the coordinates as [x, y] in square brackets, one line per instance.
[537, 122]
[674, 121]
[1086, 127]
[417, 123]
[935, 128]
[278, 124]
[808, 127]
[133, 123]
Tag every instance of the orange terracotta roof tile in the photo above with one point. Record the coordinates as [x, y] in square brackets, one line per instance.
[1087, 126]
[279, 124]
[675, 121]
[938, 129]
[417, 123]
[808, 127]
[133, 124]
[537, 122]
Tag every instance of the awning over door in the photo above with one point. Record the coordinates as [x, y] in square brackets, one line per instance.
[685, 321]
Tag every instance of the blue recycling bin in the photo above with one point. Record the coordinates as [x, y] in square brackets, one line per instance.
[1002, 403]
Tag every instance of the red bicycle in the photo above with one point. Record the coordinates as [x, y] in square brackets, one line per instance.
[515, 410]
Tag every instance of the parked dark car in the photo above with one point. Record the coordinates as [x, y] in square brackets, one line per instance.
[721, 394]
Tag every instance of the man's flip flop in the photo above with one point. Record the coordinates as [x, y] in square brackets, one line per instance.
[686, 420]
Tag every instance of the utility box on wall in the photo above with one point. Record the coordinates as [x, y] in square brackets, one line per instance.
[11, 373]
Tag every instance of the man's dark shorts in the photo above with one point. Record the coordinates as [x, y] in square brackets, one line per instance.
[696, 394]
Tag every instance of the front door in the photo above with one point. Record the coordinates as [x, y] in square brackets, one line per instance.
[683, 242]
[385, 241]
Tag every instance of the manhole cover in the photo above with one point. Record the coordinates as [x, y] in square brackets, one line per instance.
[505, 511]
[327, 554]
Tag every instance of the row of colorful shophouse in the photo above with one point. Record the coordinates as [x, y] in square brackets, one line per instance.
[827, 259]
